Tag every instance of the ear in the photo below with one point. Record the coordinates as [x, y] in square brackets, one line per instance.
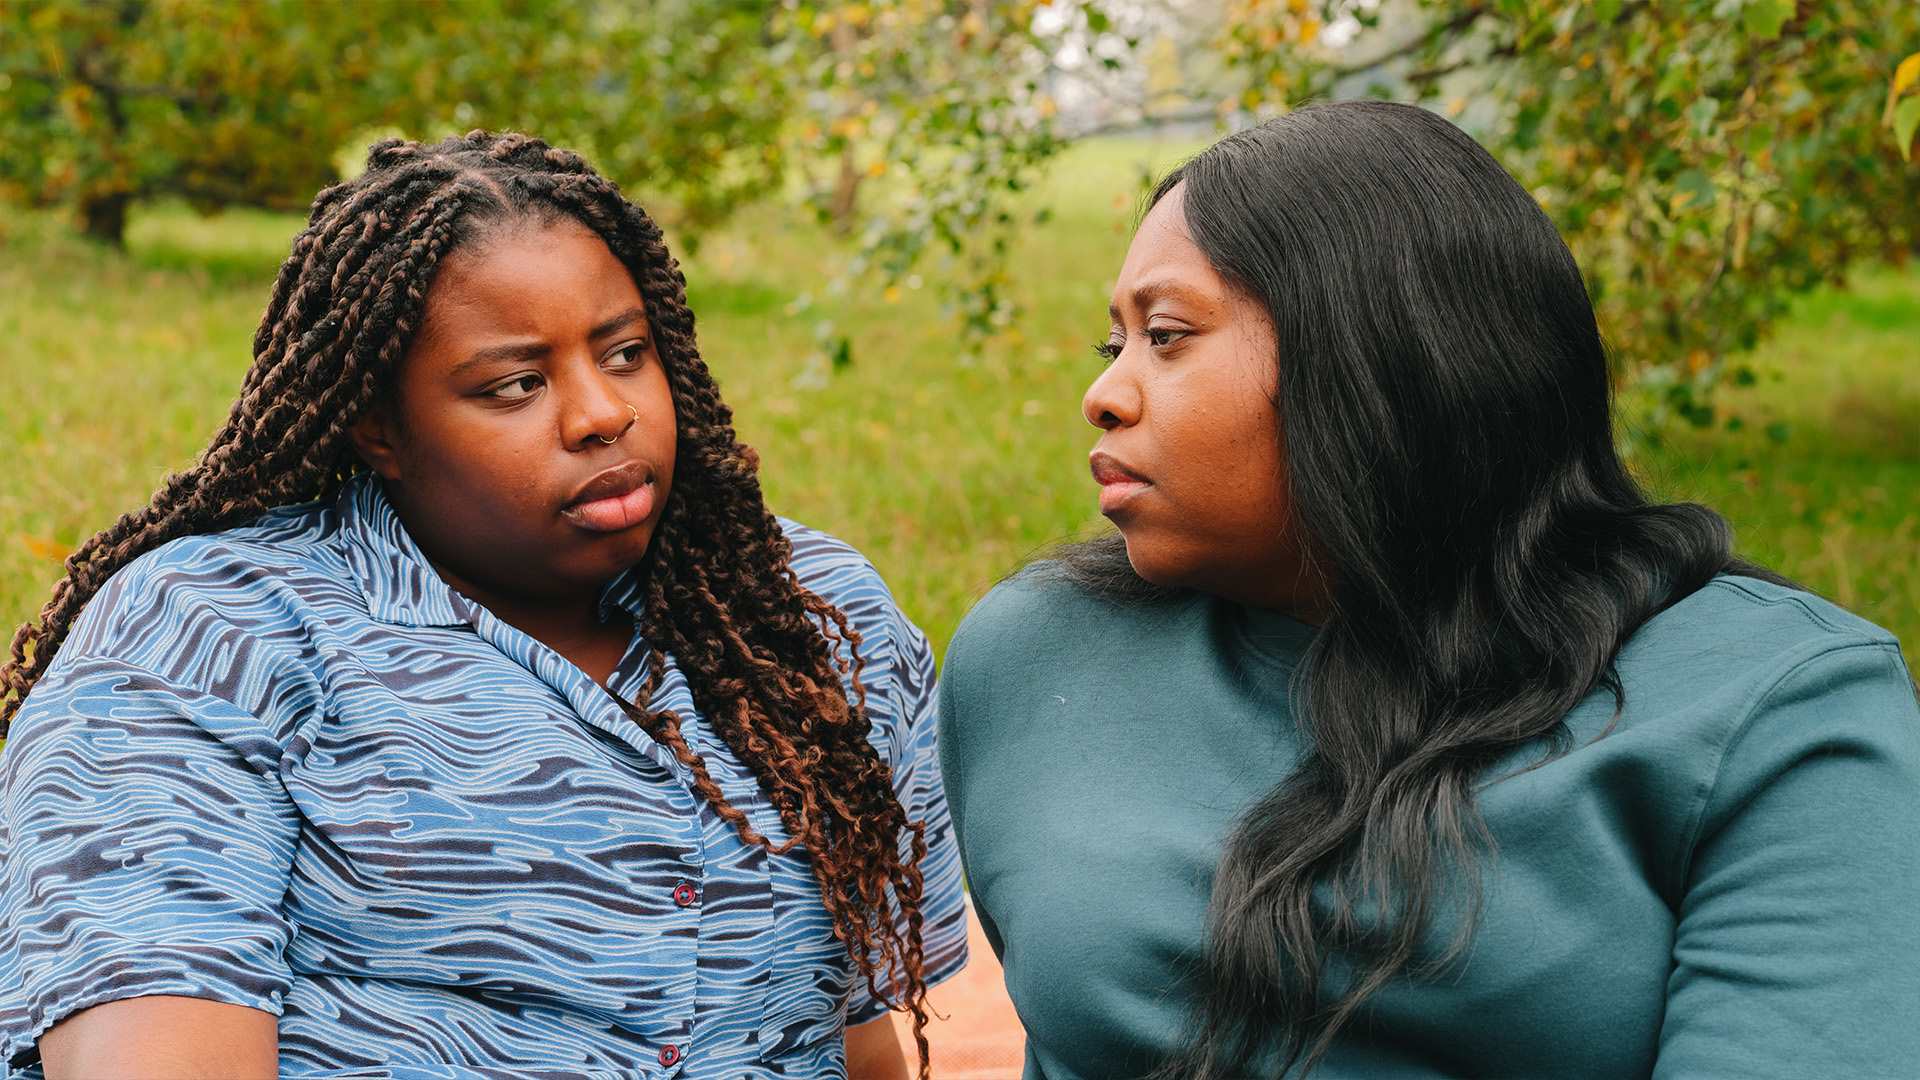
[374, 436]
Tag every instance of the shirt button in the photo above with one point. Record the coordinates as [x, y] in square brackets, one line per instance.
[669, 1055]
[684, 895]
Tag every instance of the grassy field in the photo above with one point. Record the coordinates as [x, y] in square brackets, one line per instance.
[115, 368]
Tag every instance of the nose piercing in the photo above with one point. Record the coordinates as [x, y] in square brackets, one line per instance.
[635, 413]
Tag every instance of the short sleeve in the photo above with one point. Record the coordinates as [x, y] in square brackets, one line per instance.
[916, 778]
[1797, 951]
[145, 847]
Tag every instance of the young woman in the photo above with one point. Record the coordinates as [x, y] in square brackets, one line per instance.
[464, 707]
[1397, 733]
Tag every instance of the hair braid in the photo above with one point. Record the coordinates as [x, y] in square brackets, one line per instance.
[769, 662]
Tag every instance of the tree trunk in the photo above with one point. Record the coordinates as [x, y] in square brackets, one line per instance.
[846, 192]
[104, 217]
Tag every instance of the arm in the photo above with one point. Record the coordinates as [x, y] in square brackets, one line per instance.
[162, 1037]
[145, 848]
[873, 1051]
[1797, 951]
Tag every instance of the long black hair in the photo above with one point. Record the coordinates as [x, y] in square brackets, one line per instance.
[1445, 405]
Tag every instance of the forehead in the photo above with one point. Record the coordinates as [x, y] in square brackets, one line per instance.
[1164, 256]
[527, 279]
[1163, 249]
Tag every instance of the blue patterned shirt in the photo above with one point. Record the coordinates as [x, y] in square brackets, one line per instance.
[286, 766]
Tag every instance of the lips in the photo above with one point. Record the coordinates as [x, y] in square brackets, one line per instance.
[619, 498]
[1118, 484]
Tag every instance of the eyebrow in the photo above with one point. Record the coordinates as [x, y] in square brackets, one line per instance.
[1146, 293]
[618, 322]
[521, 351]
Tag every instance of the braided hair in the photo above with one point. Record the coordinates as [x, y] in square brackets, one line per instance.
[758, 649]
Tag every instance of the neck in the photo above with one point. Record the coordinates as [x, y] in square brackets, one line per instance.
[556, 621]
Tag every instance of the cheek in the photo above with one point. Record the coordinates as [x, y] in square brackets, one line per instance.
[657, 414]
[482, 473]
[1227, 503]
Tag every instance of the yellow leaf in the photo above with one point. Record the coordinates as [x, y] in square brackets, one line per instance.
[893, 294]
[1309, 30]
[1906, 74]
[878, 168]
[1903, 76]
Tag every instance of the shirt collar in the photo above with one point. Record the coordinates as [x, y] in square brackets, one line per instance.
[626, 593]
[401, 585]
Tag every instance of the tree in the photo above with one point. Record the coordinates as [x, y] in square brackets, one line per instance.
[1706, 159]
[113, 103]
[119, 102]
[699, 106]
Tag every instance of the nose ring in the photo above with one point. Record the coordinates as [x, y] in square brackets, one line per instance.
[635, 413]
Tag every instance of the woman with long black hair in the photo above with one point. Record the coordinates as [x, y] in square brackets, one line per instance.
[1396, 732]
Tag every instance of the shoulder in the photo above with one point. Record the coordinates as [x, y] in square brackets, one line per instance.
[1042, 614]
[1039, 625]
[1745, 670]
[896, 662]
[1785, 616]
[838, 573]
[834, 570]
[169, 605]
[1743, 635]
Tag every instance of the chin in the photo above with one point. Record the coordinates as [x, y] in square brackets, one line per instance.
[1155, 564]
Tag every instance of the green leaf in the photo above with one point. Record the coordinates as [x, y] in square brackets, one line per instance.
[1702, 112]
[1905, 119]
[1764, 18]
[842, 353]
[1697, 186]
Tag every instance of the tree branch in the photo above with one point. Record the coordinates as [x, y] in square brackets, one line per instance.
[198, 103]
[1460, 21]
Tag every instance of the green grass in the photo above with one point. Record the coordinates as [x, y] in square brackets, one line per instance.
[115, 369]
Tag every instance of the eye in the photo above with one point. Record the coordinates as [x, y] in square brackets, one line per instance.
[1108, 350]
[525, 384]
[1163, 336]
[630, 356]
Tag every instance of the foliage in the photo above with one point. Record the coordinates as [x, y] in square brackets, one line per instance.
[699, 106]
[1706, 159]
[111, 103]
[118, 102]
[943, 101]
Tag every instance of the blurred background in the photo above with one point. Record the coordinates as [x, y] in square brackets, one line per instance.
[900, 220]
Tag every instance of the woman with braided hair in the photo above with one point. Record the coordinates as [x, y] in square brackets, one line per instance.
[464, 707]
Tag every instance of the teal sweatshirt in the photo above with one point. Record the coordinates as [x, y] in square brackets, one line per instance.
[1726, 884]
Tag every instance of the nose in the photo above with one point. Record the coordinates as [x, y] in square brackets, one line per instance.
[1114, 398]
[594, 413]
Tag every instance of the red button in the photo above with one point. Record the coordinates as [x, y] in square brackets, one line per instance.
[684, 895]
[669, 1055]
